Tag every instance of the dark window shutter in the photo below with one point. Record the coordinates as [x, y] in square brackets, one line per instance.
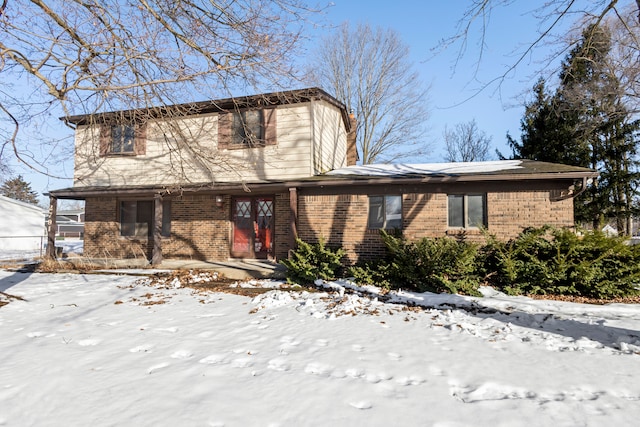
[270, 126]
[105, 139]
[224, 129]
[140, 140]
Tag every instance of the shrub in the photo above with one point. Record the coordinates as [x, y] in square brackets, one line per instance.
[376, 273]
[312, 261]
[558, 261]
[433, 265]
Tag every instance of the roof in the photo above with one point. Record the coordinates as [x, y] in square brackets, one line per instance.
[497, 168]
[502, 170]
[22, 204]
[216, 106]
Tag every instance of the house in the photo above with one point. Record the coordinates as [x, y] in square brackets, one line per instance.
[243, 177]
[69, 223]
[21, 226]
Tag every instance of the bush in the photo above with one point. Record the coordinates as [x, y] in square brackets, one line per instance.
[312, 261]
[558, 261]
[433, 265]
[376, 273]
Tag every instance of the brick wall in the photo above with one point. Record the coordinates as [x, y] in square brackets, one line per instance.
[342, 219]
[201, 230]
[102, 232]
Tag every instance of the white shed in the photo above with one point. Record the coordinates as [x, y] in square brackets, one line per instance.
[22, 226]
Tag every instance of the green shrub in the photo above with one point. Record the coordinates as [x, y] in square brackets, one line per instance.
[312, 261]
[376, 273]
[558, 261]
[433, 264]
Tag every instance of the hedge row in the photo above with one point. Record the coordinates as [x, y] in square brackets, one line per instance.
[539, 261]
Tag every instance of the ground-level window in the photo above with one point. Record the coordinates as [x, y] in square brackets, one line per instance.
[467, 210]
[385, 212]
[136, 218]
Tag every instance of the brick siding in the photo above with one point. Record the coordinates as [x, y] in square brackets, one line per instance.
[201, 230]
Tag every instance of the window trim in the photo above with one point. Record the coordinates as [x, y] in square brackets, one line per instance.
[139, 140]
[465, 212]
[226, 129]
[385, 220]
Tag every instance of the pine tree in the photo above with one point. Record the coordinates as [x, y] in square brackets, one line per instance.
[585, 123]
[19, 189]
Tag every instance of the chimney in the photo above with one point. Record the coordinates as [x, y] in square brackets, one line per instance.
[352, 150]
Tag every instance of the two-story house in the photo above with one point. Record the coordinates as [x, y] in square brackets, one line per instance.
[243, 177]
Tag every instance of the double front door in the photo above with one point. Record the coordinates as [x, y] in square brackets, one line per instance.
[253, 225]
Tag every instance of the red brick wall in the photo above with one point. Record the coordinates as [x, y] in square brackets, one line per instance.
[201, 230]
[102, 232]
[342, 219]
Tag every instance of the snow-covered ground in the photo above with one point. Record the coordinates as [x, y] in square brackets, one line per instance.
[68, 247]
[108, 350]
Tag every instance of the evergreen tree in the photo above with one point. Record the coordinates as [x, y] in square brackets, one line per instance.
[585, 123]
[19, 189]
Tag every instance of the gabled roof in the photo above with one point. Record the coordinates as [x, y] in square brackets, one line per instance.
[215, 106]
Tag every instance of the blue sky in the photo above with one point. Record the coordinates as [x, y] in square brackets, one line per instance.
[454, 96]
[454, 88]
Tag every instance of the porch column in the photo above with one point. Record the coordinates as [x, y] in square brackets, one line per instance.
[156, 255]
[51, 228]
[293, 217]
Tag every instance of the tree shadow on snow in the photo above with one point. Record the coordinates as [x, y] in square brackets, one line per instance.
[592, 328]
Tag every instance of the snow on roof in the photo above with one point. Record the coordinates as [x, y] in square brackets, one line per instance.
[455, 168]
[22, 204]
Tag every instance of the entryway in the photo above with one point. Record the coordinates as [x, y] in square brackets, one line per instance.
[253, 224]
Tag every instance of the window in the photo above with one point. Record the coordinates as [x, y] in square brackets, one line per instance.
[467, 210]
[247, 128]
[122, 139]
[385, 212]
[136, 218]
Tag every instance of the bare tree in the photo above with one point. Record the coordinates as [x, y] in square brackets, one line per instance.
[368, 69]
[556, 19]
[466, 143]
[66, 57]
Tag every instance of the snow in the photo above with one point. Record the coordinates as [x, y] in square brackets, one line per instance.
[69, 247]
[102, 350]
[428, 168]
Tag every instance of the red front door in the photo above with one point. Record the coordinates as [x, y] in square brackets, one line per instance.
[252, 227]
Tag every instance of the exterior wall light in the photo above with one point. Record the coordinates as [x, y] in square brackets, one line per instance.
[219, 201]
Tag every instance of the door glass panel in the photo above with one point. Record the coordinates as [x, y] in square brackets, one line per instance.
[242, 226]
[264, 215]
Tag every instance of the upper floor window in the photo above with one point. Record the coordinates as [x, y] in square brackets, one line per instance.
[385, 212]
[247, 128]
[122, 139]
[467, 210]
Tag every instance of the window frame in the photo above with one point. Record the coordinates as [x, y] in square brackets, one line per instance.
[466, 220]
[129, 208]
[230, 122]
[382, 206]
[138, 135]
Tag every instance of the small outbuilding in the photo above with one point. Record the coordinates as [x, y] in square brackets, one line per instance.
[22, 226]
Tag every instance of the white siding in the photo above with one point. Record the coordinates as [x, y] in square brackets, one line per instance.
[330, 138]
[22, 226]
[185, 151]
